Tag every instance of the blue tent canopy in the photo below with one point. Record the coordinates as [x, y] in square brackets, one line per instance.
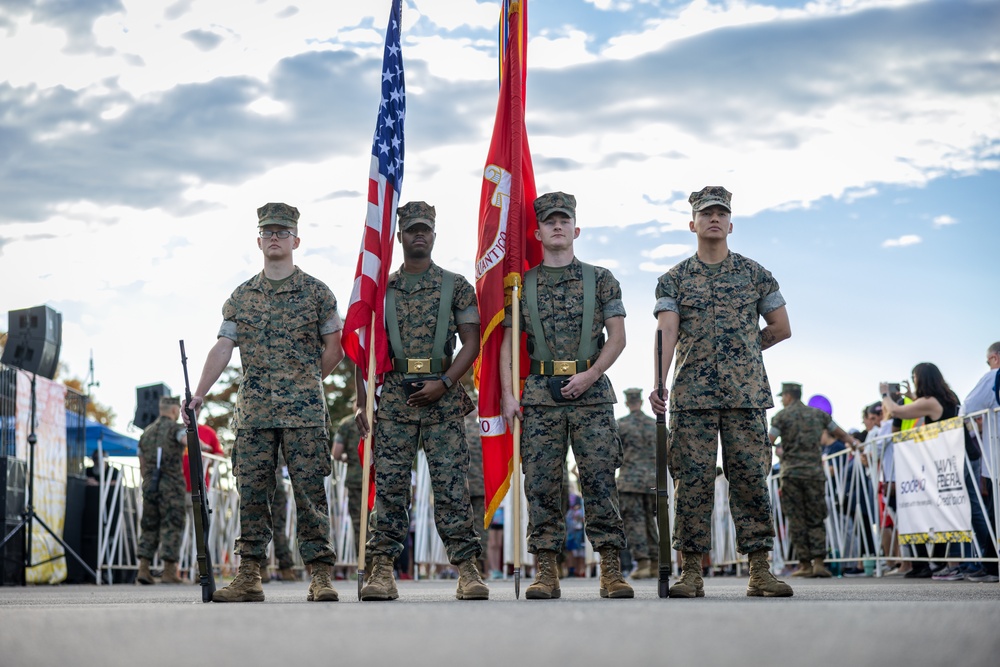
[112, 442]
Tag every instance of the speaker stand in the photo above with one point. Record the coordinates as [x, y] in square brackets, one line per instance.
[29, 516]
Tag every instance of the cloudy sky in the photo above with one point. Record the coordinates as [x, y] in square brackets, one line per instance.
[860, 137]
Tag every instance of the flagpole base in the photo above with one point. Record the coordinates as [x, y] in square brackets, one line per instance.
[663, 589]
[517, 583]
[361, 582]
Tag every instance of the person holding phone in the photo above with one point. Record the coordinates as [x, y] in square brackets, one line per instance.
[567, 398]
[423, 404]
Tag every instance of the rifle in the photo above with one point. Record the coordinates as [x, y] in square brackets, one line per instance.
[199, 500]
[662, 492]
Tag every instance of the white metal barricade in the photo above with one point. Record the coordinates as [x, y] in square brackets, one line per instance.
[855, 517]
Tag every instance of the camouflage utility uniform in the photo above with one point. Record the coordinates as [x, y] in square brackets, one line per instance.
[803, 500]
[348, 436]
[439, 428]
[720, 386]
[588, 421]
[637, 485]
[163, 510]
[281, 406]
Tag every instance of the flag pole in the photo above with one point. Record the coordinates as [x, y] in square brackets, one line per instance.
[367, 456]
[515, 370]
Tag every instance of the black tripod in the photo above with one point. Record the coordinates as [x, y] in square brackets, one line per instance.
[29, 515]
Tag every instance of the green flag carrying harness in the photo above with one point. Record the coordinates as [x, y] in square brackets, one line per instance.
[541, 357]
[438, 359]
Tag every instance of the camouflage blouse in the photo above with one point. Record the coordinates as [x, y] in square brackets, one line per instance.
[560, 309]
[417, 300]
[280, 336]
[718, 362]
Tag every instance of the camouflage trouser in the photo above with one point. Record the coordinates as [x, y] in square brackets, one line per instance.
[639, 516]
[354, 507]
[746, 461]
[163, 514]
[598, 451]
[279, 511]
[478, 517]
[255, 459]
[803, 502]
[447, 453]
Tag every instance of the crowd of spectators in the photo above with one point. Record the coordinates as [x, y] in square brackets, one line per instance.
[870, 498]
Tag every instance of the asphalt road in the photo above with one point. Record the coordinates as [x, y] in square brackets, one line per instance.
[845, 622]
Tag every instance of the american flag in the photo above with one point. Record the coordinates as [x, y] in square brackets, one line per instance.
[384, 183]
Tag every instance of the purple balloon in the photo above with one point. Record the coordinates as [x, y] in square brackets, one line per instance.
[821, 402]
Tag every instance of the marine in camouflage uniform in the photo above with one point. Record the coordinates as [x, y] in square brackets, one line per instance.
[433, 417]
[279, 524]
[286, 326]
[345, 444]
[637, 486]
[708, 308]
[803, 482]
[477, 487]
[583, 416]
[163, 509]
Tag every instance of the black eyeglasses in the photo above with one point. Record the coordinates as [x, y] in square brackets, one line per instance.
[281, 233]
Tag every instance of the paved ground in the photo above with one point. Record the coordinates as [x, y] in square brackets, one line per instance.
[844, 622]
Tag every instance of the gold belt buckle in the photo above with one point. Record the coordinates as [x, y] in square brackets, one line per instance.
[564, 367]
[418, 365]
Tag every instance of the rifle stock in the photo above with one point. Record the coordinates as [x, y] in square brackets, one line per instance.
[662, 492]
[199, 499]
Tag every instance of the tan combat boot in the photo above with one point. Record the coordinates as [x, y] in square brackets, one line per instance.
[288, 574]
[819, 569]
[144, 576]
[245, 587]
[265, 573]
[643, 570]
[546, 584]
[381, 584]
[762, 582]
[320, 588]
[170, 575]
[470, 583]
[805, 569]
[690, 585]
[613, 584]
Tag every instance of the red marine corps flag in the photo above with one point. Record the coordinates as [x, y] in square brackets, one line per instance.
[507, 247]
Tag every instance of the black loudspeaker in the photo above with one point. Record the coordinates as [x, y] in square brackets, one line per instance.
[76, 500]
[34, 336]
[13, 483]
[147, 403]
[12, 492]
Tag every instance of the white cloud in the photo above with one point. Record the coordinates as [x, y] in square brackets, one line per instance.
[556, 50]
[653, 267]
[944, 221]
[454, 14]
[902, 241]
[668, 250]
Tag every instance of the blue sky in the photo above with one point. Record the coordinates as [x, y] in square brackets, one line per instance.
[859, 137]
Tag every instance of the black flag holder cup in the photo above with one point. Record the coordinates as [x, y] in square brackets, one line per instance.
[199, 499]
[662, 492]
[28, 517]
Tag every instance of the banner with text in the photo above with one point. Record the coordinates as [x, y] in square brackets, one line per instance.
[932, 501]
